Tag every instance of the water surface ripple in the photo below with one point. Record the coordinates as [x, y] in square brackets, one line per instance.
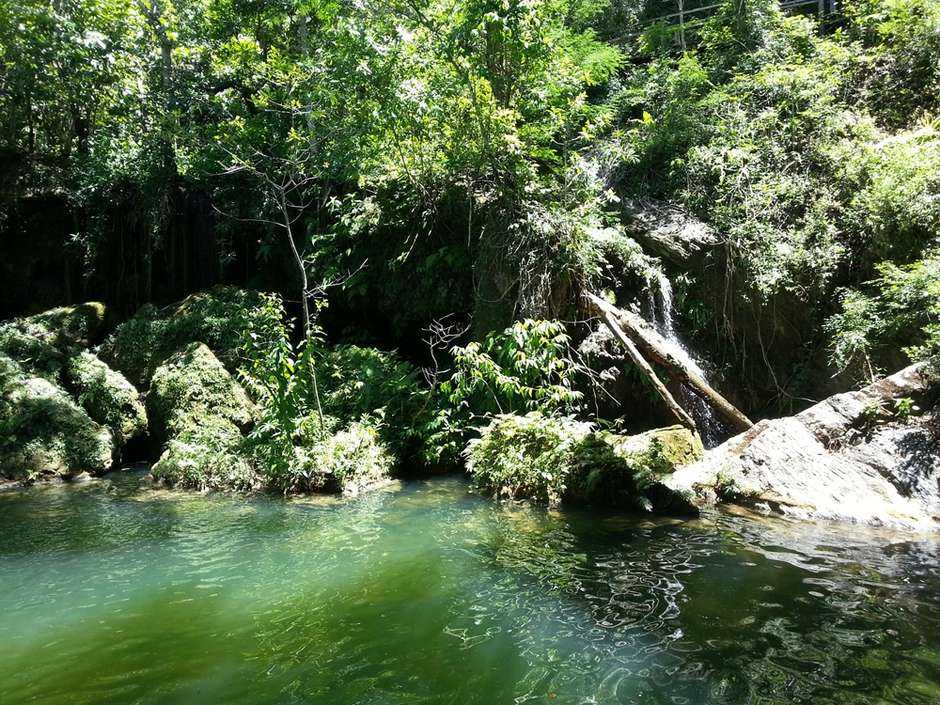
[115, 594]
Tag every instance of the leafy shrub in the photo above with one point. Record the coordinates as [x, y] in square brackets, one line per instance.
[526, 457]
[900, 310]
[347, 461]
[366, 382]
[526, 367]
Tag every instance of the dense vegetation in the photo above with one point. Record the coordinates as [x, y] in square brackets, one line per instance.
[448, 178]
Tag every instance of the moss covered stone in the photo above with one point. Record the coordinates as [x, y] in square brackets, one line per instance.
[217, 318]
[191, 387]
[526, 457]
[555, 459]
[43, 433]
[107, 396]
[198, 411]
[627, 471]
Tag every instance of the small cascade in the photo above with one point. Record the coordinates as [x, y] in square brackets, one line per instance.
[661, 316]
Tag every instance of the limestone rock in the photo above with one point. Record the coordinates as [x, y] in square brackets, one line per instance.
[43, 433]
[852, 457]
[190, 387]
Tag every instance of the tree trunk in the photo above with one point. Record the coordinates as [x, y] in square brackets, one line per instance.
[651, 345]
[680, 414]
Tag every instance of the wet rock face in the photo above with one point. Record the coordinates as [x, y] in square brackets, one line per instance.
[669, 231]
[871, 456]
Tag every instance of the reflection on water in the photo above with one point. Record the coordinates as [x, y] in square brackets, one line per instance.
[427, 594]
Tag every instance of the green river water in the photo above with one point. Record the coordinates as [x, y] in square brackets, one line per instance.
[111, 593]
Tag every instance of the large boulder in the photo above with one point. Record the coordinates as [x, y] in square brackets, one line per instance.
[198, 413]
[107, 396]
[191, 387]
[870, 456]
[217, 318]
[43, 433]
[556, 460]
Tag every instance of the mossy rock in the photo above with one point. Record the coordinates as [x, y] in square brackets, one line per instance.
[526, 457]
[33, 347]
[83, 325]
[217, 318]
[43, 343]
[43, 433]
[556, 460]
[191, 387]
[107, 396]
[627, 471]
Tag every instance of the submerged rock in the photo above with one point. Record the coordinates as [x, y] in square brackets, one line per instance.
[870, 456]
[559, 460]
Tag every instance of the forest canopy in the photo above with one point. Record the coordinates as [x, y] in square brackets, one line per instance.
[480, 159]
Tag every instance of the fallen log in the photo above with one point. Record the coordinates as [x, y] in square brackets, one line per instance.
[650, 344]
[677, 411]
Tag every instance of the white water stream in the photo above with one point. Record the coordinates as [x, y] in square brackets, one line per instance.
[661, 316]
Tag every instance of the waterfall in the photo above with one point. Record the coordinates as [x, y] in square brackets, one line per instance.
[661, 316]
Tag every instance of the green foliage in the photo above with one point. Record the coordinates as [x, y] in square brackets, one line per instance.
[368, 383]
[527, 367]
[900, 310]
[898, 75]
[526, 457]
[813, 155]
[318, 427]
[347, 461]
